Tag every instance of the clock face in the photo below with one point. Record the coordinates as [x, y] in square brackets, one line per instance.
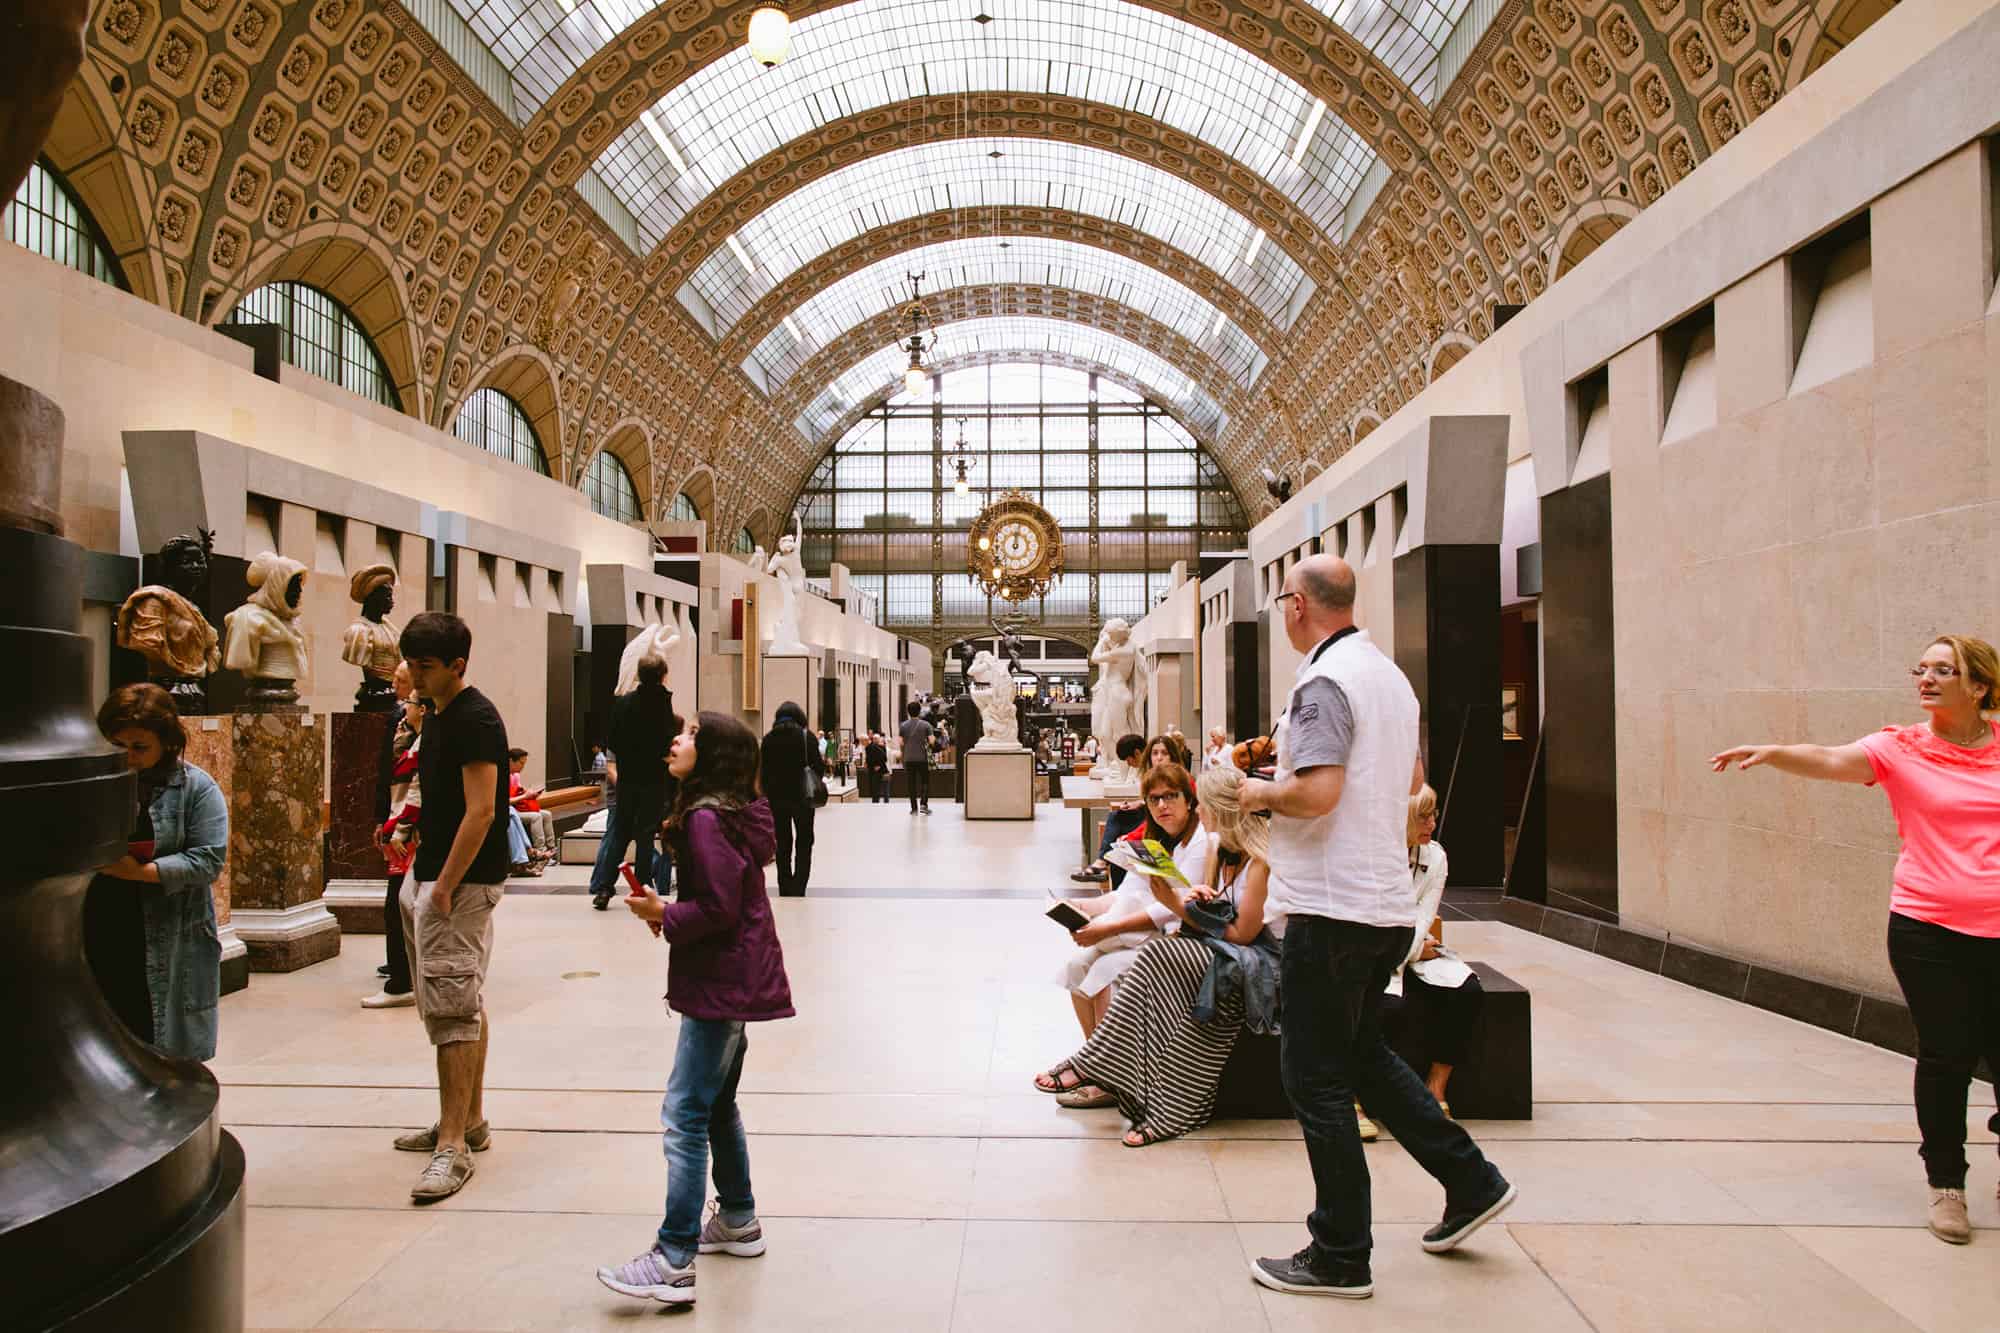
[1016, 545]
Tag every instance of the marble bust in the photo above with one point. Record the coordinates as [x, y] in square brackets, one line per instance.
[370, 642]
[993, 694]
[163, 623]
[262, 639]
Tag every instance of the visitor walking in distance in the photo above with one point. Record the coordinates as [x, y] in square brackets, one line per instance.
[455, 880]
[642, 727]
[916, 734]
[877, 756]
[1347, 765]
[788, 760]
[725, 969]
[1942, 776]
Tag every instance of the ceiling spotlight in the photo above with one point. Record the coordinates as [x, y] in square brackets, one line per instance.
[770, 33]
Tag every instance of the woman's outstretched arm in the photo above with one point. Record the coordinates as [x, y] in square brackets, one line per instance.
[1828, 763]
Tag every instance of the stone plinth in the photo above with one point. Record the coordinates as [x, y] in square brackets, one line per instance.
[789, 677]
[354, 867]
[272, 770]
[999, 784]
[209, 749]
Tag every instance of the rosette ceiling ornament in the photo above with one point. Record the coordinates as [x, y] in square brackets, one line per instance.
[1015, 549]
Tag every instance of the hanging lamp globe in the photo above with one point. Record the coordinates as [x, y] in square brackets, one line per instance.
[915, 378]
[770, 37]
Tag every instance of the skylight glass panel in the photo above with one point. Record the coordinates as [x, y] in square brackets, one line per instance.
[1026, 260]
[877, 52]
[543, 42]
[1019, 338]
[1405, 34]
[910, 182]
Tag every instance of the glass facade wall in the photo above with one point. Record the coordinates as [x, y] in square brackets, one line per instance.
[496, 423]
[319, 336]
[47, 219]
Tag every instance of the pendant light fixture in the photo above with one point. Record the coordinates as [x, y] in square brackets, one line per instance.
[770, 37]
[916, 377]
[961, 463]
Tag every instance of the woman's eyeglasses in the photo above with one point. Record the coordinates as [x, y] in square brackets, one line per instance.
[1923, 669]
[1165, 797]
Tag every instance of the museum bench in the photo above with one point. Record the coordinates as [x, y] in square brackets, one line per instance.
[1495, 1083]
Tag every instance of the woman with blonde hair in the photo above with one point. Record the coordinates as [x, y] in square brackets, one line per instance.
[1432, 990]
[1942, 776]
[1159, 1051]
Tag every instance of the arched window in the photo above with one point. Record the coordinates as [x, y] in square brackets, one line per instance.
[496, 423]
[48, 219]
[317, 335]
[745, 543]
[610, 488]
[683, 510]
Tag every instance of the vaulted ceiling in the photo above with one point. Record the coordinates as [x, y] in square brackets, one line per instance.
[1264, 213]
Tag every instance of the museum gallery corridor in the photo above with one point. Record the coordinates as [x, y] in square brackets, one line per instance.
[1692, 1163]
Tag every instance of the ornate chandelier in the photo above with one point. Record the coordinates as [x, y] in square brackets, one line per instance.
[962, 463]
[916, 376]
[1014, 549]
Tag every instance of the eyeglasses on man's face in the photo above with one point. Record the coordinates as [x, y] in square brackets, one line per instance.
[1279, 600]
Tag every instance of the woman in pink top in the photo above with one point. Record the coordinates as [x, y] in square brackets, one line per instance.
[1943, 781]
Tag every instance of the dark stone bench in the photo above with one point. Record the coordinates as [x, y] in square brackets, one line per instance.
[1496, 1083]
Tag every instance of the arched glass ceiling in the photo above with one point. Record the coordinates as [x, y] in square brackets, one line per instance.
[1026, 260]
[877, 52]
[543, 42]
[1026, 336]
[1036, 173]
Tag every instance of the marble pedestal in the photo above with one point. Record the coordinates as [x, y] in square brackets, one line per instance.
[208, 749]
[999, 784]
[354, 867]
[789, 677]
[272, 770]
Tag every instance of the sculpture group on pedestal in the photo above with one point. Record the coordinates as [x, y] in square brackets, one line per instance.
[262, 639]
[993, 693]
[760, 560]
[370, 642]
[790, 569]
[1117, 704]
[163, 623]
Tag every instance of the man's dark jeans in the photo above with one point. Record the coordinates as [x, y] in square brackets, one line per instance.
[634, 818]
[1332, 1055]
[794, 827]
[1952, 984]
[919, 778]
[397, 982]
[1118, 823]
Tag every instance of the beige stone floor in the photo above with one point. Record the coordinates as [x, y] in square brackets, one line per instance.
[1693, 1164]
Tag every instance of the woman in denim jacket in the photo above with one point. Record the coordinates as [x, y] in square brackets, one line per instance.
[149, 919]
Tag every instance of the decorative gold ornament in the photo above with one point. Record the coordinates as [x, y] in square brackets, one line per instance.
[1014, 549]
[566, 286]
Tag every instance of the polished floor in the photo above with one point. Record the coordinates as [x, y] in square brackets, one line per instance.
[1692, 1164]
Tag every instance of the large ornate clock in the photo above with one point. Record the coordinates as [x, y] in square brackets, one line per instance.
[1016, 549]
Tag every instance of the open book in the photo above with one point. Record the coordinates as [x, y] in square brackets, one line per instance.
[1146, 857]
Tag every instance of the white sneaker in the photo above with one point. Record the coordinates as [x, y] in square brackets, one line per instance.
[382, 999]
[651, 1277]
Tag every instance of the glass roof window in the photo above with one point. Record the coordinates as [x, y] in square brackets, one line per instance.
[543, 42]
[1031, 260]
[877, 52]
[911, 182]
[1405, 34]
[1026, 337]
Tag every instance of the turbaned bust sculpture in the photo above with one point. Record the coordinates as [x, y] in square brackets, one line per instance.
[370, 642]
[163, 623]
[261, 638]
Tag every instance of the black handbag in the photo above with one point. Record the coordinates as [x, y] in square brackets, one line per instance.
[815, 786]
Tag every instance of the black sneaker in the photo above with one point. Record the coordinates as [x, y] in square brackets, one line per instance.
[382, 971]
[1459, 1222]
[1297, 1275]
[601, 901]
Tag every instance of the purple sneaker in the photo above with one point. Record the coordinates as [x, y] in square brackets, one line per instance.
[651, 1277]
[718, 1237]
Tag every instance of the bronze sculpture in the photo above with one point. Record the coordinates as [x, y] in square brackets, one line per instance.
[163, 623]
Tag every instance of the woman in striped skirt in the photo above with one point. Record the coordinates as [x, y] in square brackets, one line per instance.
[1151, 1057]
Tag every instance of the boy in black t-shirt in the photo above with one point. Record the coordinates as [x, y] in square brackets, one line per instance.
[448, 897]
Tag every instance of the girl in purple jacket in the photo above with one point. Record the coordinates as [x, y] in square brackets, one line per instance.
[724, 969]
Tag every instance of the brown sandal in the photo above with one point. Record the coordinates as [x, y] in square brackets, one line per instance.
[1087, 1097]
[1148, 1136]
[1055, 1084]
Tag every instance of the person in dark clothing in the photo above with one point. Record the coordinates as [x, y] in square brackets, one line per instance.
[788, 752]
[916, 735]
[877, 755]
[395, 972]
[643, 725]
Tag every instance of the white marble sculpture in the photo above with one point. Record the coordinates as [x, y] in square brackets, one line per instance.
[760, 561]
[650, 641]
[1117, 704]
[790, 570]
[993, 694]
[261, 638]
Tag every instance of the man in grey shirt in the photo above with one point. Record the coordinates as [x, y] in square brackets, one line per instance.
[916, 735]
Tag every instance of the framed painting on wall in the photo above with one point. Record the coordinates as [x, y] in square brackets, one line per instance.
[1510, 712]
